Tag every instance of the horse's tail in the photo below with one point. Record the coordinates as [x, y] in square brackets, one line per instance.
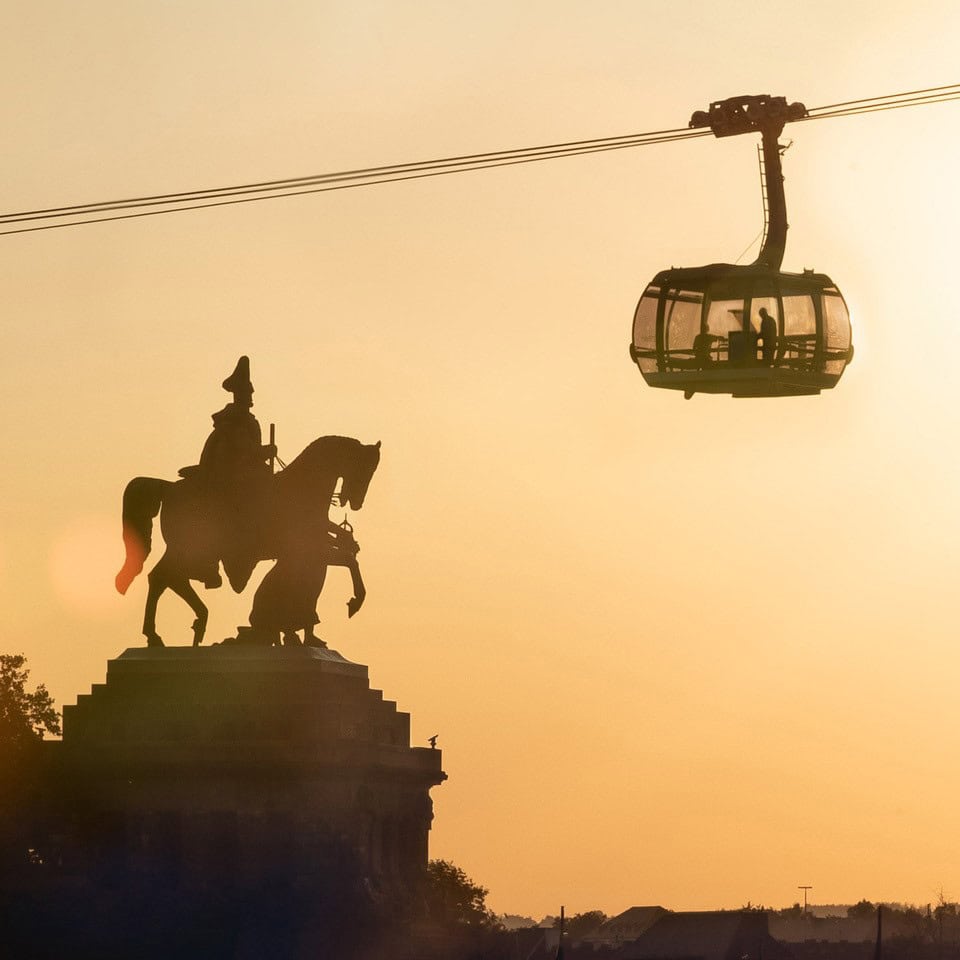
[142, 499]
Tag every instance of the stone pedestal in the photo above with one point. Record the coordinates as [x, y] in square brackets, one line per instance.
[233, 764]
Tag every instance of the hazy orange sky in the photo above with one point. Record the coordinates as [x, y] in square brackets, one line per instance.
[689, 653]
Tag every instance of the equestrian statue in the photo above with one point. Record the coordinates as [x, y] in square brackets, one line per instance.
[232, 509]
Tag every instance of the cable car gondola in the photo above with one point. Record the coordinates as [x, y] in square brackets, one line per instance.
[748, 331]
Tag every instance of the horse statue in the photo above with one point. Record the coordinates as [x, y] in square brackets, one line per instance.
[288, 523]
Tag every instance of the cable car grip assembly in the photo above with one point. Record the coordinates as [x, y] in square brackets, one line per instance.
[767, 116]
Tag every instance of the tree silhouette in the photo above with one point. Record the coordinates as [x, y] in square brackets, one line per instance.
[452, 897]
[24, 716]
[863, 910]
[580, 924]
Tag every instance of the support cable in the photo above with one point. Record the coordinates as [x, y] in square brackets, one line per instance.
[908, 93]
[51, 218]
[821, 113]
[225, 196]
[467, 162]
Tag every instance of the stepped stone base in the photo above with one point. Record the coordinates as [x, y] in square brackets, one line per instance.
[234, 764]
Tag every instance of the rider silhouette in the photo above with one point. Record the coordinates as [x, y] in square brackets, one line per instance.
[234, 470]
[234, 450]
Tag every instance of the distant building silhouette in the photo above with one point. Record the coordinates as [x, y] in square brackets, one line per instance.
[653, 933]
[625, 927]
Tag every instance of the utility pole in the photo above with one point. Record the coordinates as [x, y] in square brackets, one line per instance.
[804, 889]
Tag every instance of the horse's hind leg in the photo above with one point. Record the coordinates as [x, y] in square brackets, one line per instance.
[157, 582]
[184, 589]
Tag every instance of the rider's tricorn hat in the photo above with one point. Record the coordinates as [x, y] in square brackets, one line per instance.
[239, 380]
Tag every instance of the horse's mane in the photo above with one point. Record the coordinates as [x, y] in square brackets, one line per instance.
[319, 450]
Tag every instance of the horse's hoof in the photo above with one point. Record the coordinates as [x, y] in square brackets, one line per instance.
[155, 641]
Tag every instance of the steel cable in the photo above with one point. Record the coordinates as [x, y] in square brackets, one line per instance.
[51, 218]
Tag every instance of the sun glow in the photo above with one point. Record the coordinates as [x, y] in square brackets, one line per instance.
[83, 561]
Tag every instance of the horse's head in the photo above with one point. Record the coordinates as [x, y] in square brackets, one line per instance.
[358, 474]
[316, 472]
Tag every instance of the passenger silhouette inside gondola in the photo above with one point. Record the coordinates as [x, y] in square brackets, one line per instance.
[703, 347]
[768, 337]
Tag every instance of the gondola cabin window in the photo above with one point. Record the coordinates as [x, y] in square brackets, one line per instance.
[799, 344]
[836, 332]
[681, 325]
[645, 330]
